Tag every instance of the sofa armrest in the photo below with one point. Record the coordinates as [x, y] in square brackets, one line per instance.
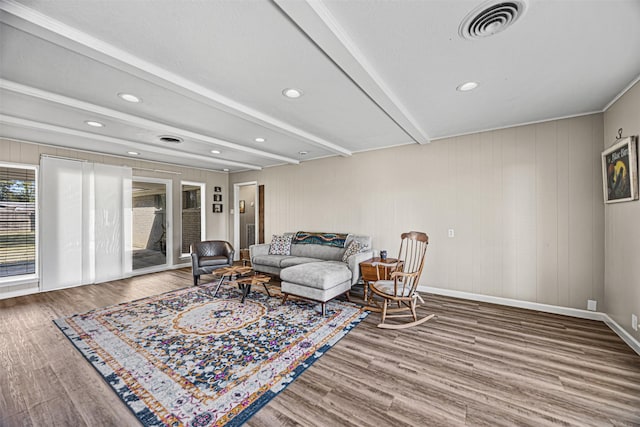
[354, 264]
[258, 250]
[230, 256]
[195, 263]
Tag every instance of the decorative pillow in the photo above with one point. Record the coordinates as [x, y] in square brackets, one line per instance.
[280, 245]
[353, 248]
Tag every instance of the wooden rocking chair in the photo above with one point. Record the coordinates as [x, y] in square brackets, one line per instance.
[401, 288]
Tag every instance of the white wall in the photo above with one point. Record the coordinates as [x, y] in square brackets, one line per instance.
[217, 225]
[525, 203]
[622, 225]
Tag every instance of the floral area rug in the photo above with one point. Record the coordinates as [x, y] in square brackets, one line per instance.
[185, 358]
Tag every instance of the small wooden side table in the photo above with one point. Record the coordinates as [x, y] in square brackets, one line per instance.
[371, 270]
[246, 282]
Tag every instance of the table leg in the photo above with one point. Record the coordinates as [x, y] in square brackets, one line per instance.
[218, 286]
[245, 291]
[266, 289]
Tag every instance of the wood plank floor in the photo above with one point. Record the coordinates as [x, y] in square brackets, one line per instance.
[474, 364]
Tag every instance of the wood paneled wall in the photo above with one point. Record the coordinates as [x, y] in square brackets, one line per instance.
[622, 224]
[525, 203]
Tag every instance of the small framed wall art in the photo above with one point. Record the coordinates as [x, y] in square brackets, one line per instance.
[620, 171]
[217, 197]
[217, 189]
[241, 207]
[217, 208]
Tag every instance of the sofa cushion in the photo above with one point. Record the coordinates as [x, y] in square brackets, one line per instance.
[209, 261]
[280, 245]
[269, 260]
[328, 253]
[297, 260]
[319, 275]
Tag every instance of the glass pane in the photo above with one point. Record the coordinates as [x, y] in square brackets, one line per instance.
[17, 221]
[149, 237]
[191, 216]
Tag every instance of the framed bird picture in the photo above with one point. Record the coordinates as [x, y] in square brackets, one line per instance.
[620, 171]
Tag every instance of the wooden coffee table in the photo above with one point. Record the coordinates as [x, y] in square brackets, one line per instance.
[246, 282]
[229, 273]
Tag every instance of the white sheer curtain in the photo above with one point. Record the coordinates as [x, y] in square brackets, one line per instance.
[86, 222]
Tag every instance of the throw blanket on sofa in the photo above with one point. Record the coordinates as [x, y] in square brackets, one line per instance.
[327, 239]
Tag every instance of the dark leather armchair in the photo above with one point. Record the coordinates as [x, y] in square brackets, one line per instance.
[210, 255]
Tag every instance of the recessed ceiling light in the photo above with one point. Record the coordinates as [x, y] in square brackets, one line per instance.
[215, 151]
[465, 87]
[94, 124]
[260, 139]
[129, 97]
[292, 93]
[225, 170]
[133, 153]
[303, 153]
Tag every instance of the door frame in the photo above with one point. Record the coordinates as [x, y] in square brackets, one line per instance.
[203, 216]
[236, 214]
[169, 224]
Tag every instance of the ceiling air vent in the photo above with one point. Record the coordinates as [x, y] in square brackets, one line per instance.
[170, 139]
[490, 18]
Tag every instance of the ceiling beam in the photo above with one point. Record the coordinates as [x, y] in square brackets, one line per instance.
[317, 22]
[135, 120]
[43, 26]
[126, 144]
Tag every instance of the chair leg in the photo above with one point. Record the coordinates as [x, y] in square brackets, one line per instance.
[324, 309]
[284, 298]
[348, 296]
[195, 280]
[413, 309]
[384, 310]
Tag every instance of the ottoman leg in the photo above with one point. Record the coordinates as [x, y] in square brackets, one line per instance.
[284, 298]
[324, 307]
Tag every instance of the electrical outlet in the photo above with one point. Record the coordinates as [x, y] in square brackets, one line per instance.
[634, 322]
[451, 233]
[592, 304]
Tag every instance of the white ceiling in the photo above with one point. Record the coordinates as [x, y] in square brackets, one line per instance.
[374, 74]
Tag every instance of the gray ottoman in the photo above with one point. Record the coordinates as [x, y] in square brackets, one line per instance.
[317, 281]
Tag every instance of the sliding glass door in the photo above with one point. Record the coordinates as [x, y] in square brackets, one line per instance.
[193, 200]
[150, 223]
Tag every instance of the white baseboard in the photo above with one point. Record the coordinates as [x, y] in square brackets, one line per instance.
[622, 333]
[545, 308]
[19, 292]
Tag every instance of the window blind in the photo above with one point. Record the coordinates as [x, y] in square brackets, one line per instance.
[17, 221]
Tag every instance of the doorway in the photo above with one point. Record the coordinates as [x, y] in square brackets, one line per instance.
[245, 218]
[151, 247]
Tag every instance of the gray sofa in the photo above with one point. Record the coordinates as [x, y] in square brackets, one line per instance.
[313, 271]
